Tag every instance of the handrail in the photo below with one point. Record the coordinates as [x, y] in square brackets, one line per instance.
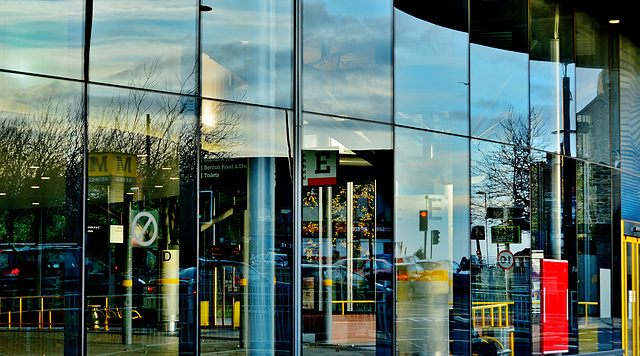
[492, 308]
[41, 312]
[46, 312]
[343, 302]
[586, 310]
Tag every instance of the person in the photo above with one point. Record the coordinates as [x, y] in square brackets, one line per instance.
[464, 263]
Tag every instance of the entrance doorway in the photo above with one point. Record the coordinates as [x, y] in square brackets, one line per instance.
[630, 290]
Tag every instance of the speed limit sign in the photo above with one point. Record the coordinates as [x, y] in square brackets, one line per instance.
[506, 259]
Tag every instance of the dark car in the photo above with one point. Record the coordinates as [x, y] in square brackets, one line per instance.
[36, 271]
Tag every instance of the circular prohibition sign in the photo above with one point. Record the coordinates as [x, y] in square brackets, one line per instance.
[506, 259]
[138, 235]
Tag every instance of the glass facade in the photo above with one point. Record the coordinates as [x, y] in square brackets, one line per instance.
[311, 177]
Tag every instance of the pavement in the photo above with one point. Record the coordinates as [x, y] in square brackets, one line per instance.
[50, 342]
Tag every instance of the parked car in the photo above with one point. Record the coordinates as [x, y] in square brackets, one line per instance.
[440, 275]
[411, 281]
[407, 259]
[378, 269]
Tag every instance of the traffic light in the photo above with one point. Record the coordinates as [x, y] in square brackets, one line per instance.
[424, 220]
[435, 237]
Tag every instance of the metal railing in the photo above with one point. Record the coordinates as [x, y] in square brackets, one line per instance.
[343, 302]
[14, 312]
[21, 312]
[498, 316]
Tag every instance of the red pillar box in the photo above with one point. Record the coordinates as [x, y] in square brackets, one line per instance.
[555, 306]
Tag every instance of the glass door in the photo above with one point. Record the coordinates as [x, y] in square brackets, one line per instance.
[630, 287]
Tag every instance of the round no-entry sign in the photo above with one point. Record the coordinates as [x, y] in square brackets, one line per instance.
[506, 259]
[138, 230]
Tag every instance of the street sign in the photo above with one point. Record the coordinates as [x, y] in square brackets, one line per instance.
[506, 259]
[140, 228]
[319, 168]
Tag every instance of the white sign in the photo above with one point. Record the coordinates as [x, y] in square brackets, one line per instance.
[506, 259]
[140, 229]
[116, 234]
[320, 167]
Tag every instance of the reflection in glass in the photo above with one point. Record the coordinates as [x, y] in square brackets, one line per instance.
[245, 278]
[347, 242]
[499, 91]
[594, 227]
[40, 195]
[42, 37]
[552, 106]
[499, 24]
[431, 75]
[249, 60]
[593, 123]
[432, 257]
[629, 134]
[347, 58]
[501, 227]
[138, 213]
[131, 46]
[553, 77]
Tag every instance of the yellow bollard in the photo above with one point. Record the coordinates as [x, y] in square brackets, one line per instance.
[95, 319]
[236, 314]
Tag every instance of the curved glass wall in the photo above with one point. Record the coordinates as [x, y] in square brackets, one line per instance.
[43, 38]
[552, 77]
[431, 75]
[501, 238]
[347, 236]
[347, 55]
[499, 93]
[249, 60]
[465, 167]
[629, 121]
[41, 135]
[245, 228]
[432, 266]
[141, 198]
[137, 44]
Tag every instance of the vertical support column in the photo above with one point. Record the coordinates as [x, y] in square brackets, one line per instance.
[327, 256]
[127, 282]
[350, 244]
[296, 335]
[261, 286]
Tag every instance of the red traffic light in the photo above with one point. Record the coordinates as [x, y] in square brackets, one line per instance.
[424, 220]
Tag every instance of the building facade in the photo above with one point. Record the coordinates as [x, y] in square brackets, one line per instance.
[304, 177]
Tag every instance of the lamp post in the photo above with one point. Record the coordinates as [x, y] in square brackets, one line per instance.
[486, 228]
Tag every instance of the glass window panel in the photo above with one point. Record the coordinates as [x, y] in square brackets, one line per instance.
[42, 37]
[629, 121]
[432, 253]
[551, 87]
[500, 24]
[499, 92]
[552, 77]
[145, 44]
[347, 58]
[40, 233]
[449, 14]
[249, 60]
[594, 214]
[431, 75]
[551, 30]
[593, 99]
[141, 220]
[347, 235]
[245, 229]
[501, 228]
